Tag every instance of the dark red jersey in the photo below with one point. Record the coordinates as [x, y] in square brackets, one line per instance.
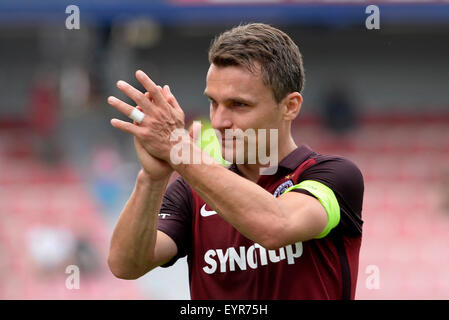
[223, 264]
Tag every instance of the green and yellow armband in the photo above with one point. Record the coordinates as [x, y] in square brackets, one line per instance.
[327, 198]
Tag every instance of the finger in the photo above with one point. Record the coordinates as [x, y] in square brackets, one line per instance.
[121, 106]
[167, 95]
[172, 99]
[134, 121]
[151, 87]
[165, 91]
[148, 95]
[137, 96]
[127, 127]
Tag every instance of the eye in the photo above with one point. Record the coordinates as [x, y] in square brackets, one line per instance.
[213, 103]
[239, 104]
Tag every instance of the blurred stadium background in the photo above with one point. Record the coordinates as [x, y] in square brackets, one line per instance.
[379, 97]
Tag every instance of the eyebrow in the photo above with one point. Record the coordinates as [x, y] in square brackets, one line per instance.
[235, 99]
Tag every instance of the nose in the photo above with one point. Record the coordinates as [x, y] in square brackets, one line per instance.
[220, 118]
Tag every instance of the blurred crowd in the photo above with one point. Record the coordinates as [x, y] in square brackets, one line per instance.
[54, 120]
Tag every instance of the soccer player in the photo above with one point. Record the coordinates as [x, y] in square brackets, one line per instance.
[291, 234]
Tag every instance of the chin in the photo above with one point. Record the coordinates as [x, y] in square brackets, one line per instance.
[231, 159]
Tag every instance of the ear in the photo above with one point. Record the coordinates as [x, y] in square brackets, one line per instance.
[292, 105]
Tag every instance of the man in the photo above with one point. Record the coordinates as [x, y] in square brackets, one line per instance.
[294, 234]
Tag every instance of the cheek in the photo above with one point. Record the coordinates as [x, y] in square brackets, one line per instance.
[267, 119]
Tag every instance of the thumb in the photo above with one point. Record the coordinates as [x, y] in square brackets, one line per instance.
[195, 130]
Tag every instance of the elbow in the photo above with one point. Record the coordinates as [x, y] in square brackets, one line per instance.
[270, 244]
[271, 239]
[121, 272]
[275, 235]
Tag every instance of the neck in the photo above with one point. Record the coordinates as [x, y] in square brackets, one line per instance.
[252, 171]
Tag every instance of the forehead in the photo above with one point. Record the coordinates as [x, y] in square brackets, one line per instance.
[235, 80]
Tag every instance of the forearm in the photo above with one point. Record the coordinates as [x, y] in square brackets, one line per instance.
[134, 237]
[252, 210]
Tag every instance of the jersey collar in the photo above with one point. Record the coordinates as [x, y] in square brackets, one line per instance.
[290, 162]
[296, 157]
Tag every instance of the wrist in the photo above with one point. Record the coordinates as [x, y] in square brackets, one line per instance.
[181, 152]
[144, 178]
[190, 155]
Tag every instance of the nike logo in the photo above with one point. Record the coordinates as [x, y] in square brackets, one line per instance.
[206, 213]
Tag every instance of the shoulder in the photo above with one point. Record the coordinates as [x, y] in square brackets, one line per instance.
[178, 191]
[345, 179]
[175, 216]
[179, 185]
[336, 170]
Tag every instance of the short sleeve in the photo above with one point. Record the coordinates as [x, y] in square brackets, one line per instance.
[175, 217]
[327, 198]
[344, 178]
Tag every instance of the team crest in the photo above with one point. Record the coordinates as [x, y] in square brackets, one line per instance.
[282, 187]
